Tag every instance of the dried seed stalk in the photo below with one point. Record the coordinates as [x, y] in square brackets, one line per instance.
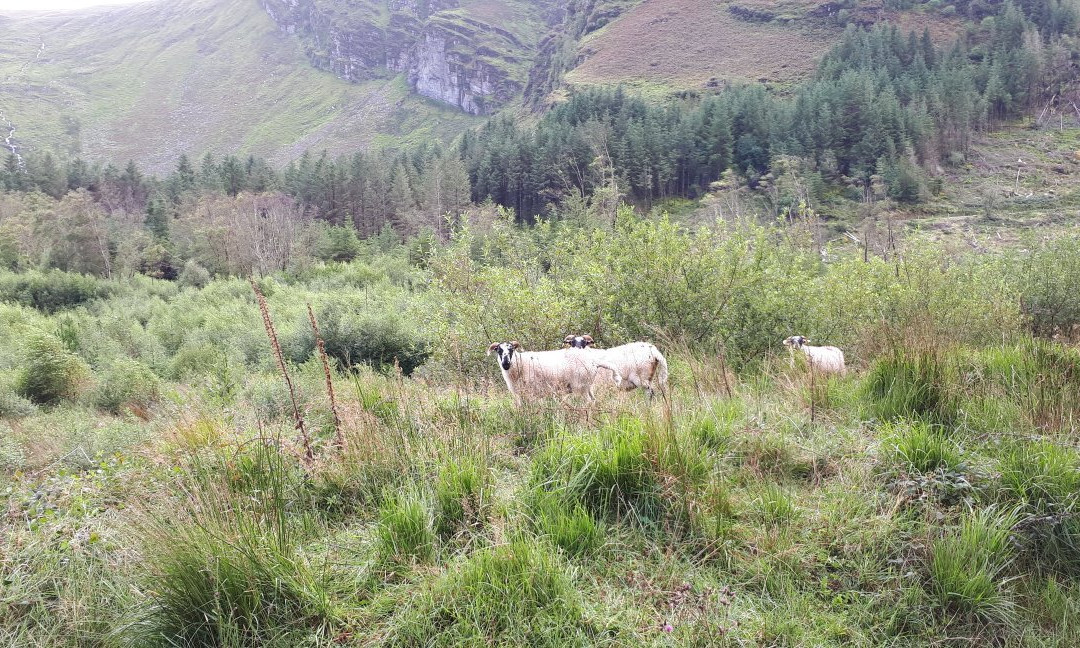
[276, 348]
[339, 437]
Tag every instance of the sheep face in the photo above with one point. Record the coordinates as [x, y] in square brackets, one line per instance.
[504, 353]
[796, 342]
[578, 341]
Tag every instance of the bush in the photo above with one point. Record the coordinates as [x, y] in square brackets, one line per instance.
[514, 595]
[1048, 286]
[966, 565]
[12, 405]
[194, 275]
[49, 372]
[52, 290]
[364, 334]
[126, 383]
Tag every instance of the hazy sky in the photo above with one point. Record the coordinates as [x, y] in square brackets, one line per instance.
[58, 4]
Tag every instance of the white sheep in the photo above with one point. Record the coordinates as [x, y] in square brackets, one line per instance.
[638, 364]
[826, 359]
[536, 374]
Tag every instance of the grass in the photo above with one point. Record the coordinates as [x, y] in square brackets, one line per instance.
[727, 512]
[967, 566]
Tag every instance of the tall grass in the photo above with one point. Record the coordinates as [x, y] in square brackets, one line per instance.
[228, 568]
[967, 567]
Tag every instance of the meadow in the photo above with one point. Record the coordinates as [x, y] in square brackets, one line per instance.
[157, 487]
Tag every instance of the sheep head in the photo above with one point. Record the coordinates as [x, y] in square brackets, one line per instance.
[504, 352]
[578, 341]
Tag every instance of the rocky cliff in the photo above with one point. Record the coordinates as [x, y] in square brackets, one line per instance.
[445, 53]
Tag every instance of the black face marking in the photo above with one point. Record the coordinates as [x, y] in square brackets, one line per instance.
[505, 352]
[578, 342]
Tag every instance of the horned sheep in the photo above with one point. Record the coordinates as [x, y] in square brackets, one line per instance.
[825, 359]
[638, 364]
[536, 374]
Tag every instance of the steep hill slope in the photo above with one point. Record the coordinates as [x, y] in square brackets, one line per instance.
[665, 45]
[154, 80]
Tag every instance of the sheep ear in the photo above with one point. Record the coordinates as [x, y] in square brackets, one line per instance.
[569, 339]
[494, 345]
[588, 340]
[515, 344]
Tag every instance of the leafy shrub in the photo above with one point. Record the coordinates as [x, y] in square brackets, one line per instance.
[1049, 280]
[365, 334]
[124, 384]
[52, 290]
[405, 530]
[11, 455]
[12, 405]
[50, 372]
[513, 595]
[194, 275]
[462, 490]
[966, 566]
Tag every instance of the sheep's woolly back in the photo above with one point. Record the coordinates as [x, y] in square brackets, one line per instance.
[639, 364]
[534, 374]
[826, 359]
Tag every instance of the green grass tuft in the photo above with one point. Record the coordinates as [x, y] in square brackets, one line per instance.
[518, 594]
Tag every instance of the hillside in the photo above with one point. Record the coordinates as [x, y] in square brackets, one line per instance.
[151, 81]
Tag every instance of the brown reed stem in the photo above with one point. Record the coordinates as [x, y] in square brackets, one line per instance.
[276, 348]
[339, 437]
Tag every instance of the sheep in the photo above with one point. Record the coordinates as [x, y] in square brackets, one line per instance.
[638, 364]
[532, 374]
[826, 359]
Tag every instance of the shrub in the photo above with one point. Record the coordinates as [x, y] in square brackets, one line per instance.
[514, 595]
[50, 372]
[194, 275]
[11, 454]
[52, 290]
[12, 405]
[462, 491]
[405, 531]
[966, 565]
[1048, 287]
[365, 335]
[126, 383]
[919, 447]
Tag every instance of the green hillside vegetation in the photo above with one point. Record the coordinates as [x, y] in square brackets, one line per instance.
[156, 490]
[151, 81]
